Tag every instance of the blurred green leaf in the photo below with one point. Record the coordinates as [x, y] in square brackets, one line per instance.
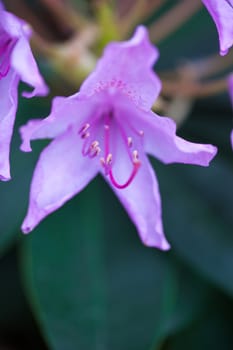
[14, 194]
[198, 201]
[93, 285]
[212, 331]
[17, 327]
[197, 225]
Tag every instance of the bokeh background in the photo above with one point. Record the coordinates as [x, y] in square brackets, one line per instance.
[83, 280]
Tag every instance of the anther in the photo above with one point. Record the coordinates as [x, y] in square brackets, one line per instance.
[94, 144]
[106, 163]
[141, 132]
[85, 135]
[135, 157]
[84, 128]
[94, 149]
[95, 152]
[109, 159]
[130, 141]
[102, 161]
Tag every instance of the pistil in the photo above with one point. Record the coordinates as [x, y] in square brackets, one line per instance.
[136, 166]
[107, 163]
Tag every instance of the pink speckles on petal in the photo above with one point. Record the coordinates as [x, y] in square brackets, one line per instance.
[127, 67]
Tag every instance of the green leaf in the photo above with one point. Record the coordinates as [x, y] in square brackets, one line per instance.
[14, 194]
[198, 218]
[213, 331]
[93, 285]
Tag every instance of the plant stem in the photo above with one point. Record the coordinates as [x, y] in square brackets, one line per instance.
[136, 14]
[173, 19]
[212, 65]
[194, 89]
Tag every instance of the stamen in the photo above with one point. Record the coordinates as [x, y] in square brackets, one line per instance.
[130, 141]
[107, 163]
[94, 149]
[91, 148]
[127, 140]
[94, 144]
[106, 138]
[95, 153]
[132, 128]
[86, 143]
[87, 132]
[102, 162]
[84, 128]
[109, 159]
[85, 135]
[135, 157]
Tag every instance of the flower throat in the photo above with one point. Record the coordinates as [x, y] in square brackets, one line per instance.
[91, 146]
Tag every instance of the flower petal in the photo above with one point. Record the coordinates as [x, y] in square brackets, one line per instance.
[61, 172]
[65, 111]
[25, 65]
[141, 198]
[11, 24]
[9, 102]
[22, 59]
[230, 89]
[127, 66]
[230, 86]
[161, 141]
[222, 14]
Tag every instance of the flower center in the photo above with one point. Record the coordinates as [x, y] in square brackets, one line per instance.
[102, 128]
[6, 47]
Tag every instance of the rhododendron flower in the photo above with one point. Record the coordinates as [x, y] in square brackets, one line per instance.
[222, 14]
[107, 128]
[16, 63]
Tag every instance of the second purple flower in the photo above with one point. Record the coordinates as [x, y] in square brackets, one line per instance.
[16, 63]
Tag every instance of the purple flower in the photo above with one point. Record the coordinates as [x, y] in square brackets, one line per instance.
[16, 63]
[107, 127]
[222, 14]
